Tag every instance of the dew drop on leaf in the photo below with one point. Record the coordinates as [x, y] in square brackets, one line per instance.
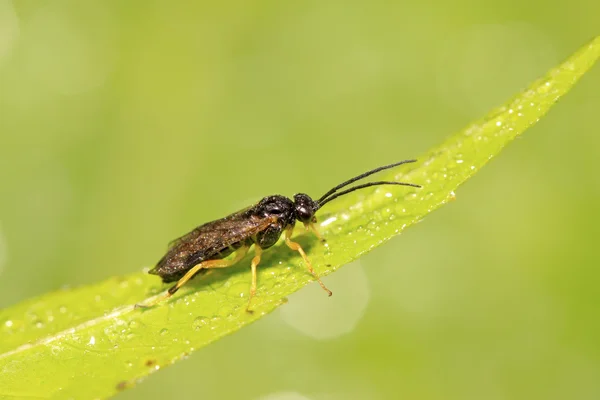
[199, 323]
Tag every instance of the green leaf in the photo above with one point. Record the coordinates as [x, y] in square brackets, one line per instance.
[91, 342]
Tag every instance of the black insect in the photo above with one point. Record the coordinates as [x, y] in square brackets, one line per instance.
[260, 225]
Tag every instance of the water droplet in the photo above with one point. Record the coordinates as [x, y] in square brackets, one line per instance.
[8, 323]
[226, 311]
[238, 289]
[328, 221]
[282, 301]
[39, 324]
[199, 323]
[133, 324]
[163, 331]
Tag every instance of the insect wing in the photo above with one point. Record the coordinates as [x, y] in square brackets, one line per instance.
[213, 225]
[209, 239]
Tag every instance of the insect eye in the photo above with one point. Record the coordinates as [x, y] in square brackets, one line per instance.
[303, 214]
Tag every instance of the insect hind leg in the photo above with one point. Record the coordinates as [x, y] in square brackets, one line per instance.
[255, 262]
[208, 264]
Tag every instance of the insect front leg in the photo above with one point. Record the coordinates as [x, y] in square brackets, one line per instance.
[296, 247]
[313, 227]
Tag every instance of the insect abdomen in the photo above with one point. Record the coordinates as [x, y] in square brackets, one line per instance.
[172, 267]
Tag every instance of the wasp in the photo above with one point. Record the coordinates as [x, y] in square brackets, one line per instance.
[260, 225]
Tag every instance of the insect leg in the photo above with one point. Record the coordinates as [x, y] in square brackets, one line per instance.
[255, 261]
[241, 252]
[296, 247]
[313, 227]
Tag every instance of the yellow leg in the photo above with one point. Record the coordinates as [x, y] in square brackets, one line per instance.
[241, 252]
[255, 262]
[296, 247]
[313, 227]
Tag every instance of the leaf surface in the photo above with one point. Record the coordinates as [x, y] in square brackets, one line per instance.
[90, 342]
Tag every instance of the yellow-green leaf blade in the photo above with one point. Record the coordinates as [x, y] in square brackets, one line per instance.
[90, 342]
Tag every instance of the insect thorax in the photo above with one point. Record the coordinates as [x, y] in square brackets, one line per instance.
[270, 235]
[281, 210]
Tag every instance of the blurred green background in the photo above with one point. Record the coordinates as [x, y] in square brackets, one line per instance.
[125, 124]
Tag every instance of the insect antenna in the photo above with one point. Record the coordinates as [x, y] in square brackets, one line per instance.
[327, 197]
[364, 185]
[363, 175]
